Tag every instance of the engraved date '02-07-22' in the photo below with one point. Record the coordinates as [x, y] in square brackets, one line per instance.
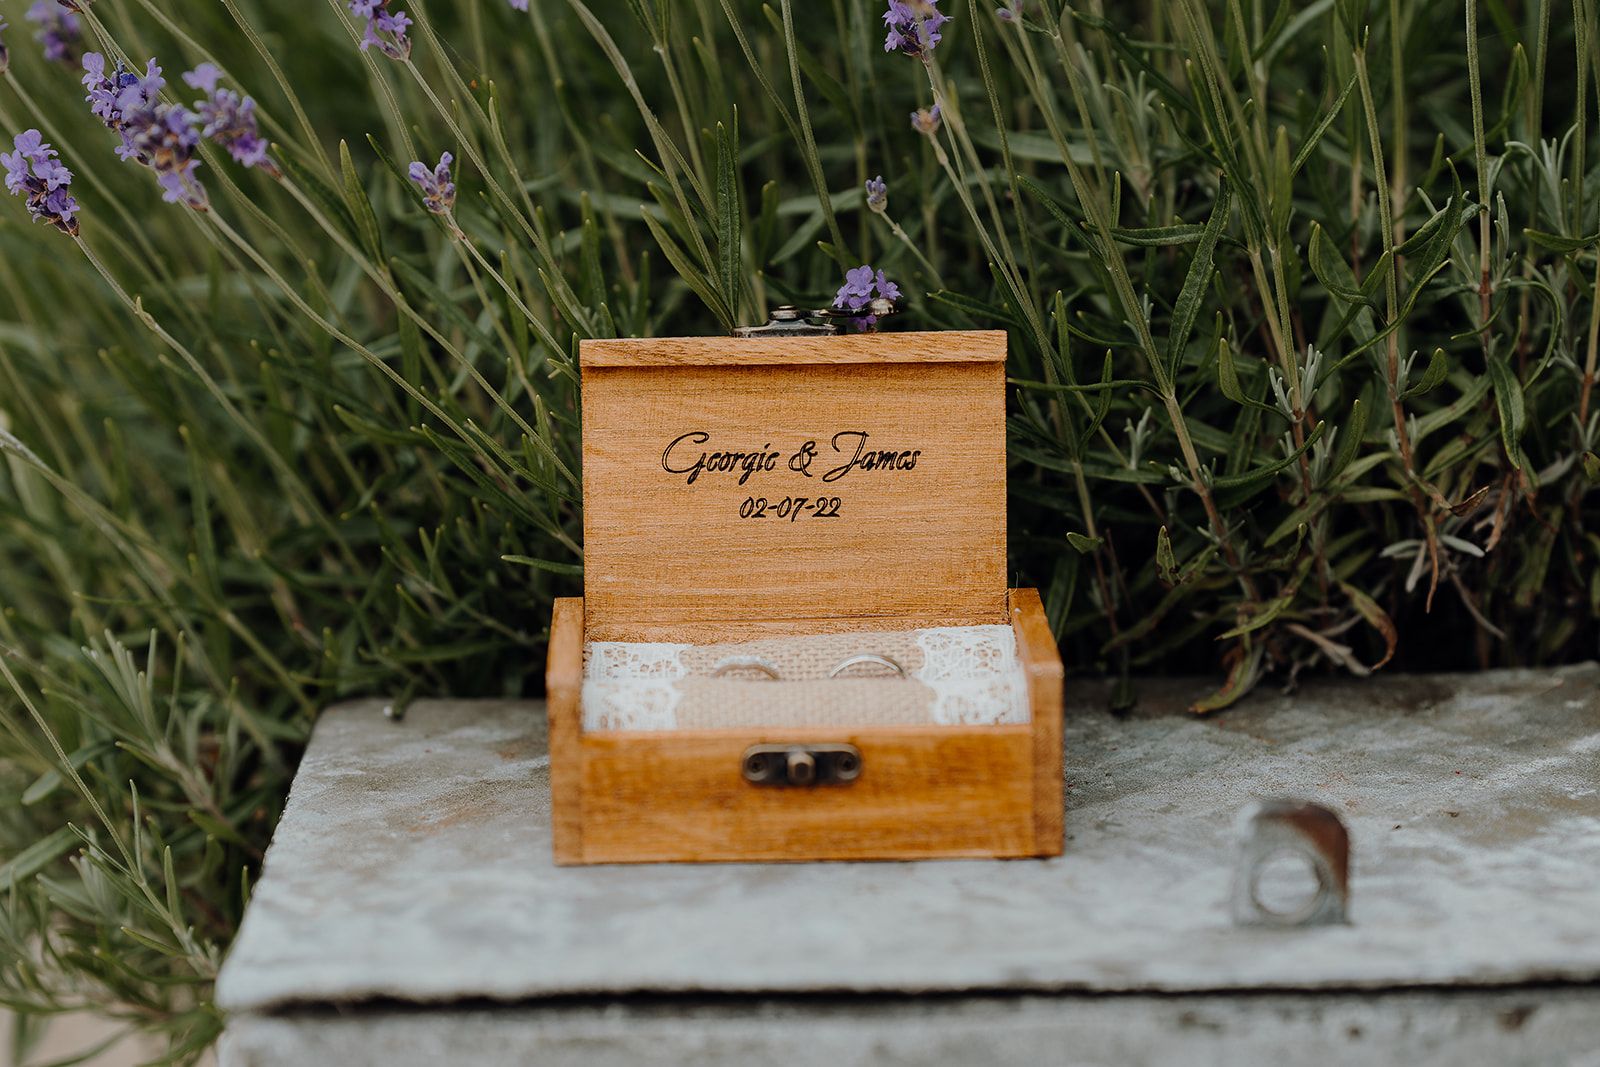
[790, 507]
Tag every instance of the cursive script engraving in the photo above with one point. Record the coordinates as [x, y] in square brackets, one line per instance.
[688, 455]
[867, 459]
[746, 463]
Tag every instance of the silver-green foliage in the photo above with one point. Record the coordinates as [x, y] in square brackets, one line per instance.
[1302, 301]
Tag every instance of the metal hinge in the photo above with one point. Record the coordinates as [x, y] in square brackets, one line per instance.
[791, 321]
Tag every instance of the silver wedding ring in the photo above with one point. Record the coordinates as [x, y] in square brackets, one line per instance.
[744, 663]
[867, 659]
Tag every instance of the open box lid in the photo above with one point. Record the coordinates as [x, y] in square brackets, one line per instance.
[789, 484]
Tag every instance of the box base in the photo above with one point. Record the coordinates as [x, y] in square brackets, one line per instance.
[924, 792]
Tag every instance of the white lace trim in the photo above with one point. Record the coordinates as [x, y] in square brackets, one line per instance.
[631, 686]
[632, 660]
[975, 674]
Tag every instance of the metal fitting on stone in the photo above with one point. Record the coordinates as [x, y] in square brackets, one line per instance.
[1298, 833]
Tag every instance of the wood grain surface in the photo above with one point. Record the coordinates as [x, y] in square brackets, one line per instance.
[738, 488]
[954, 346]
[1041, 660]
[864, 491]
[563, 692]
[924, 792]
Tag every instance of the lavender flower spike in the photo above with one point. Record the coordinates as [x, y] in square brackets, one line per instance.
[5, 53]
[925, 120]
[158, 135]
[386, 30]
[520, 5]
[438, 190]
[913, 26]
[229, 120]
[58, 32]
[877, 194]
[34, 173]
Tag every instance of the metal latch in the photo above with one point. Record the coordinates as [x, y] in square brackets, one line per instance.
[801, 765]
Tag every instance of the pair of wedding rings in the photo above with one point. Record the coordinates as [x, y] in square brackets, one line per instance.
[757, 665]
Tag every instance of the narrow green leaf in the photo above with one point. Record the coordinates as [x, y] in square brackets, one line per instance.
[1101, 409]
[51, 780]
[1282, 182]
[330, 201]
[1084, 545]
[1166, 562]
[1228, 378]
[574, 570]
[1310, 144]
[1555, 242]
[1438, 367]
[355, 195]
[1332, 271]
[730, 258]
[697, 282]
[1350, 435]
[1242, 677]
[36, 857]
[1187, 307]
[1256, 475]
[1377, 618]
[1268, 611]
[1050, 202]
[1591, 466]
[1509, 402]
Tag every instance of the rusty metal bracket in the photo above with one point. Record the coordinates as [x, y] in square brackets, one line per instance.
[1296, 830]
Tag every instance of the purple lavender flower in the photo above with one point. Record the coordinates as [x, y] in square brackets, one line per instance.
[229, 120]
[877, 194]
[1011, 12]
[386, 30]
[34, 172]
[886, 289]
[438, 190]
[856, 292]
[867, 290]
[111, 95]
[913, 26]
[58, 31]
[925, 120]
[520, 5]
[166, 136]
[158, 135]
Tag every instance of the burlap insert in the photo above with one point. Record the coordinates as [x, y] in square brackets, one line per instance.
[953, 676]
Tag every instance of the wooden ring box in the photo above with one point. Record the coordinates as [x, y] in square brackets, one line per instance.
[902, 439]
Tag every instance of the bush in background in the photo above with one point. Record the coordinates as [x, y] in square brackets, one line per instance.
[1303, 316]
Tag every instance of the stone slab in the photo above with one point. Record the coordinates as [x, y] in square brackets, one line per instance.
[413, 864]
[1543, 1027]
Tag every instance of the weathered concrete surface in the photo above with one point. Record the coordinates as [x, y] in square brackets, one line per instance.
[413, 862]
[1416, 1029]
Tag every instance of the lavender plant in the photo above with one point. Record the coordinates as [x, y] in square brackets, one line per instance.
[1303, 302]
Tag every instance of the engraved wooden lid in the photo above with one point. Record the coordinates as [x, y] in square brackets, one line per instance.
[786, 484]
